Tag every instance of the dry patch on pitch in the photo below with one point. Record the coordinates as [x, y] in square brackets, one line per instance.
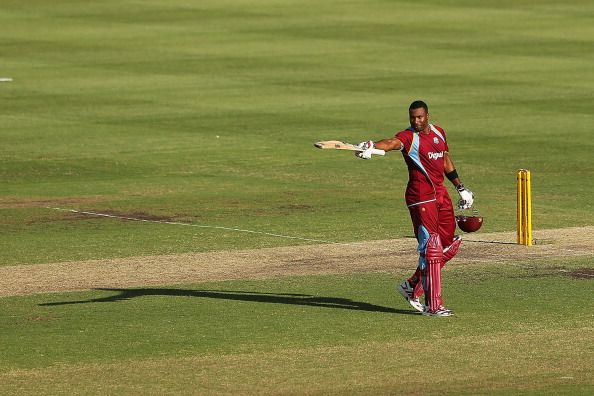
[385, 256]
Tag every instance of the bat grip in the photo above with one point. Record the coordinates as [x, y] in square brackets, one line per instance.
[378, 152]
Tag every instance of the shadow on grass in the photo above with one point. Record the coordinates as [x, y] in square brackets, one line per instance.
[234, 295]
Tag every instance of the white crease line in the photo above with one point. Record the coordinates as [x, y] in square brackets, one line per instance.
[577, 273]
[200, 226]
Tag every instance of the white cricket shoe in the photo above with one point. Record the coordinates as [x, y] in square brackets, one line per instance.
[441, 311]
[406, 290]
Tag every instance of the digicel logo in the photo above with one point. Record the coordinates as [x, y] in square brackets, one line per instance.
[435, 156]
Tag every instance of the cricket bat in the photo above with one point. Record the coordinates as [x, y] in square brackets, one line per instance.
[338, 145]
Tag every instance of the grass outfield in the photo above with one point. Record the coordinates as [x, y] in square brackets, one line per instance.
[204, 113]
[339, 334]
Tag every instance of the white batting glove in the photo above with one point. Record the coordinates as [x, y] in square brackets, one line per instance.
[367, 147]
[466, 197]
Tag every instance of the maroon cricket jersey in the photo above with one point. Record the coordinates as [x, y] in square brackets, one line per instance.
[423, 154]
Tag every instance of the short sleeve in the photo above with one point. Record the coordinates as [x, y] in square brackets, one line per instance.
[445, 140]
[406, 138]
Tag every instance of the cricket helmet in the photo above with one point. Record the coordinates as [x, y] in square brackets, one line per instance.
[469, 220]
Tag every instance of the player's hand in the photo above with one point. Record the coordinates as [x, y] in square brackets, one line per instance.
[367, 147]
[466, 197]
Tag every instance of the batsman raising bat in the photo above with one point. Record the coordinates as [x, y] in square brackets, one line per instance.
[425, 150]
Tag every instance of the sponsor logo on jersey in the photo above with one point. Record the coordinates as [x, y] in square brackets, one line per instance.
[435, 156]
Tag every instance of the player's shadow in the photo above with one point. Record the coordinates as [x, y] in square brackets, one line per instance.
[234, 295]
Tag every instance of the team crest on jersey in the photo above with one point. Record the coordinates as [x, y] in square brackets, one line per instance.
[435, 140]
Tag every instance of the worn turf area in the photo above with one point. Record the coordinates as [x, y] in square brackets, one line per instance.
[379, 256]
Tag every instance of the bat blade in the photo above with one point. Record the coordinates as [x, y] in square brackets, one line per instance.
[338, 145]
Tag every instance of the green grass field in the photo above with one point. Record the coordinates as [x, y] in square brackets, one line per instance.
[307, 335]
[205, 112]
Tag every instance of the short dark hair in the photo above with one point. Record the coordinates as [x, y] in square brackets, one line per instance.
[417, 104]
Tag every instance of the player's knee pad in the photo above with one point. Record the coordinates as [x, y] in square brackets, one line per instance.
[434, 250]
[450, 251]
[432, 279]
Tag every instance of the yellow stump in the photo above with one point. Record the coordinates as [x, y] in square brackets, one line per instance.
[524, 213]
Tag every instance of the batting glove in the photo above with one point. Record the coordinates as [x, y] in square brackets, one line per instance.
[466, 197]
[367, 147]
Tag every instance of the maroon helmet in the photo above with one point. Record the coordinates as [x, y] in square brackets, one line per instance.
[469, 222]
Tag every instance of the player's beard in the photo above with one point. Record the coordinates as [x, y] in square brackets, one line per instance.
[420, 127]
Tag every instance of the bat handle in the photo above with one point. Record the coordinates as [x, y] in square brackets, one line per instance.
[378, 152]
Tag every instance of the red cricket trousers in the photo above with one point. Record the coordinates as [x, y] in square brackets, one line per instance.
[434, 225]
[436, 216]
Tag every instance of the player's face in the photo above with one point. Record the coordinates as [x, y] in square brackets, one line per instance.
[419, 119]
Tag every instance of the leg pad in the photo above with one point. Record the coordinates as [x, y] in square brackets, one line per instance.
[432, 273]
[450, 251]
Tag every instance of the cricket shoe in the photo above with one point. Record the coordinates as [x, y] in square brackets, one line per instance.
[441, 311]
[406, 290]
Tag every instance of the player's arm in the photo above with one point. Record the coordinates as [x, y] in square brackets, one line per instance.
[466, 196]
[384, 144]
[389, 144]
[450, 170]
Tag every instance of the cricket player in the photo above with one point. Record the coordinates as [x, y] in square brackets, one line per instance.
[425, 150]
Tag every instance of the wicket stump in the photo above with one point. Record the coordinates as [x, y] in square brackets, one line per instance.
[524, 217]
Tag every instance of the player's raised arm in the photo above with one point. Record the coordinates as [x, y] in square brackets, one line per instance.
[384, 144]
